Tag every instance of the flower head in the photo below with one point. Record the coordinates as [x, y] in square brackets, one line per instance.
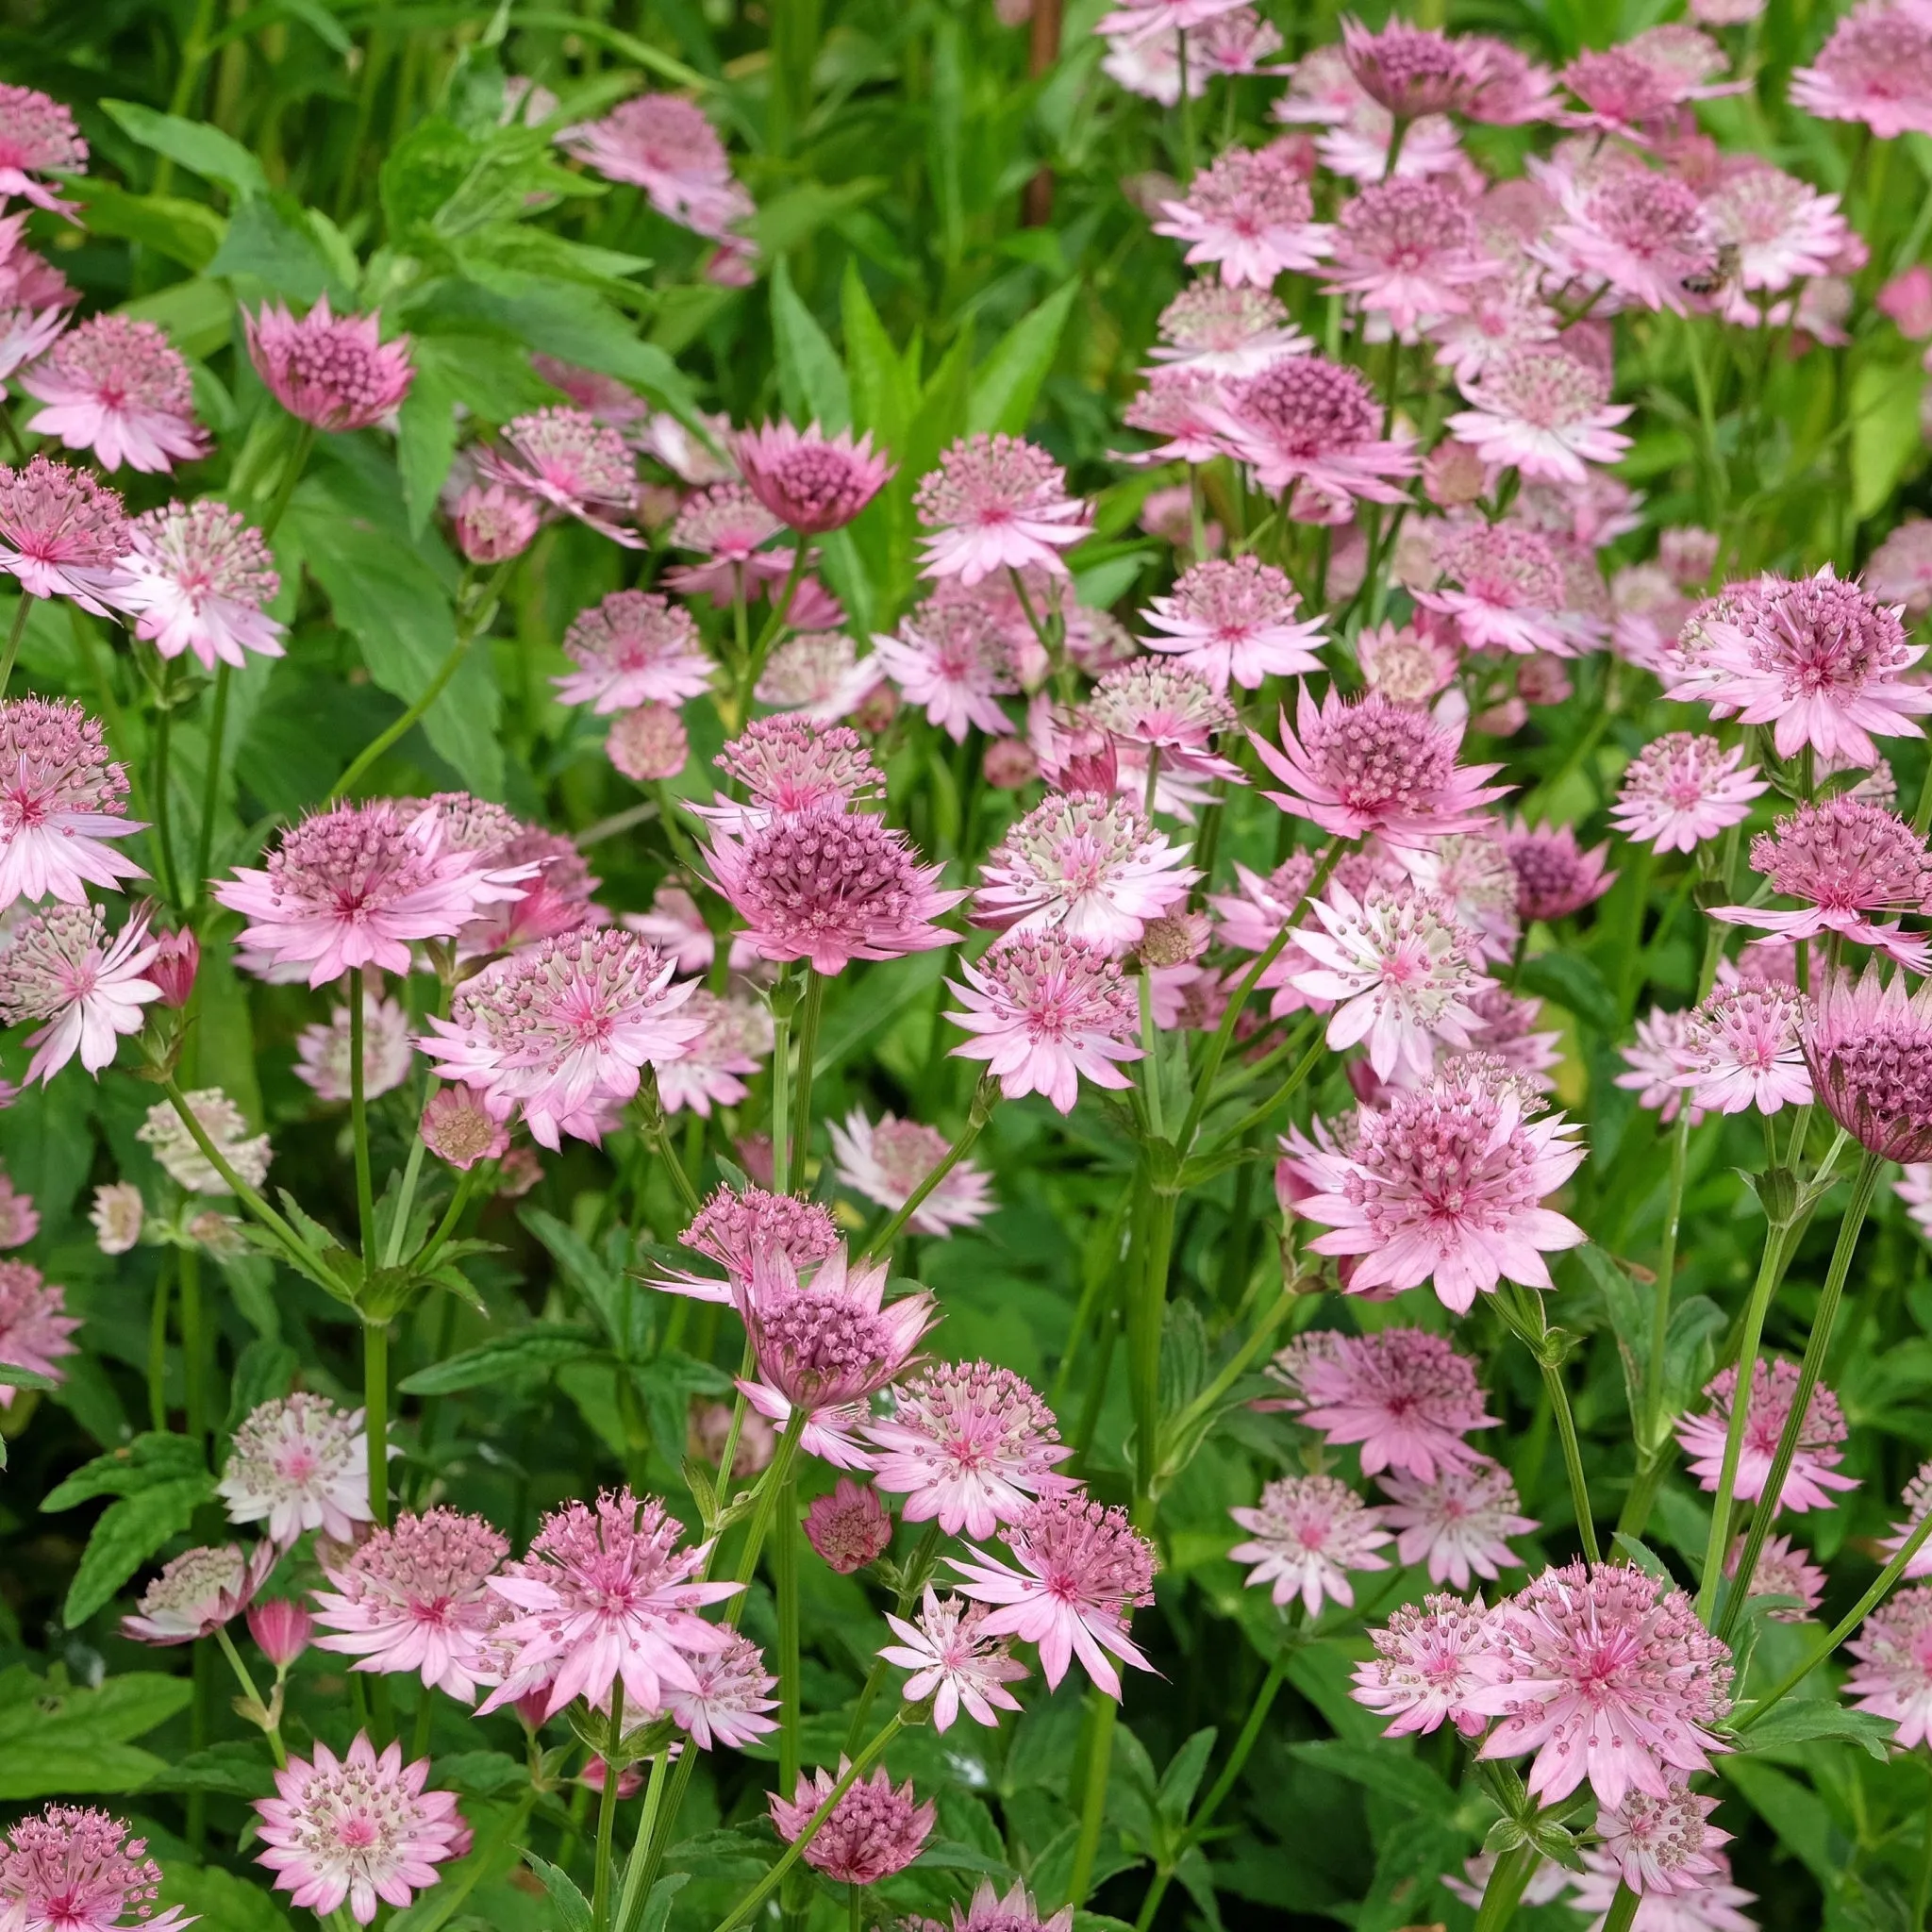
[200, 574]
[1682, 789]
[335, 372]
[1250, 211]
[1315, 423]
[1741, 1047]
[20, 1220]
[61, 967]
[633, 648]
[119, 388]
[1082, 1570]
[1407, 248]
[734, 1231]
[832, 1340]
[299, 1462]
[810, 481]
[414, 1597]
[1175, 707]
[34, 1325]
[873, 1831]
[553, 1031]
[1637, 235]
[849, 1528]
[247, 1155]
[736, 1036]
[357, 1829]
[819, 675]
[953, 1661]
[322, 1052]
[63, 534]
[1427, 1661]
[726, 1701]
[1543, 411]
[1869, 1052]
[1555, 877]
[997, 503]
[281, 1629]
[729, 528]
[1894, 1674]
[37, 137]
[1782, 230]
[1875, 67]
[199, 1591]
[664, 144]
[648, 743]
[887, 1159]
[1405, 1396]
[952, 657]
[1605, 1673]
[457, 1127]
[1663, 1846]
[1658, 1064]
[1305, 1534]
[1235, 619]
[1459, 1522]
[493, 523]
[1225, 330]
[1784, 1571]
[567, 458]
[1774, 1388]
[72, 1868]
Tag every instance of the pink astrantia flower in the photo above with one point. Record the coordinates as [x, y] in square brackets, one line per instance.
[969, 1445]
[953, 659]
[1428, 1661]
[1741, 1047]
[61, 967]
[830, 886]
[1411, 69]
[561, 1028]
[1869, 1048]
[1814, 1469]
[1682, 789]
[819, 676]
[1849, 859]
[1446, 1185]
[299, 1462]
[810, 481]
[1368, 765]
[1542, 411]
[1045, 1009]
[1407, 249]
[1894, 1674]
[1875, 67]
[1457, 1523]
[1605, 1673]
[1305, 1534]
[120, 388]
[734, 1230]
[455, 1127]
[34, 1325]
[1185, 408]
[567, 458]
[872, 1832]
[356, 1829]
[37, 137]
[1318, 424]
[1508, 590]
[63, 534]
[1398, 965]
[1082, 1570]
[633, 648]
[787, 765]
[1555, 877]
[1783, 1571]
[199, 575]
[1663, 1846]
[335, 372]
[729, 528]
[606, 1595]
[1090, 868]
[886, 1160]
[356, 885]
[1634, 235]
[1658, 1063]
[953, 1661]
[493, 523]
[997, 503]
[1917, 1492]
[74, 1869]
[1782, 230]
[35, 298]
[415, 1597]
[322, 1052]
[1138, 20]
[1225, 331]
[726, 1702]
[1250, 211]
[198, 1593]
[1404, 1396]
[849, 1528]
[62, 798]
[20, 1220]
[664, 144]
[737, 1037]
[1235, 619]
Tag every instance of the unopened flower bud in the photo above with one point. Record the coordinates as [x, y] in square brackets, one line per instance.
[850, 1528]
[457, 1128]
[281, 1629]
[1907, 300]
[177, 955]
[1008, 764]
[117, 1215]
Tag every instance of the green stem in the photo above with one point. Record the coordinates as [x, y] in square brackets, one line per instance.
[1666, 1272]
[181, 100]
[1102, 1711]
[406, 1201]
[158, 1348]
[606, 1812]
[447, 1226]
[164, 841]
[271, 1731]
[194, 1346]
[984, 1096]
[776, 1476]
[211, 780]
[1573, 1459]
[781, 1089]
[785, 1589]
[13, 636]
[1510, 1873]
[1623, 1912]
[359, 1118]
[1146, 1319]
[291, 475]
[630, 1901]
[375, 1398]
[769, 633]
[1922, 1892]
[807, 1051]
[1150, 1055]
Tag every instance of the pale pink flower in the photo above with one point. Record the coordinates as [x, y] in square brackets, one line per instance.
[414, 1597]
[952, 658]
[37, 137]
[1632, 90]
[872, 1832]
[830, 886]
[63, 534]
[1446, 1185]
[1508, 590]
[199, 575]
[1250, 211]
[1305, 1534]
[1711, 1908]
[1605, 1673]
[849, 1526]
[1875, 67]
[1894, 1674]
[1398, 965]
[1226, 330]
[1555, 877]
[556, 882]
[737, 1037]
[1407, 248]
[1411, 69]
[1045, 1009]
[299, 1462]
[1907, 299]
[1323, 93]
[1151, 67]
[1636, 235]
[886, 1159]
[1427, 1663]
[997, 503]
[281, 1629]
[74, 1869]
[664, 144]
[20, 1220]
[1684, 789]
[729, 526]
[648, 743]
[457, 1127]
[1869, 1051]
[1368, 765]
[1918, 1493]
[1543, 411]
[119, 388]
[970, 1446]
[1235, 620]
[810, 481]
[567, 458]
[1407, 663]
[953, 1661]
[726, 1699]
[356, 1829]
[1782, 230]
[1663, 1846]
[1783, 1571]
[1849, 859]
[198, 1592]
[35, 298]
[34, 1325]
[335, 372]
[819, 676]
[61, 967]
[1900, 570]
[493, 523]
[1316, 425]
[1083, 1569]
[606, 1594]
[561, 1029]
[1505, 313]
[1141, 19]
[61, 797]
[733, 1231]
[1741, 1047]
[1659, 1064]
[322, 1052]
[1457, 1523]
[1184, 408]
[1404, 1396]
[117, 1215]
[1092, 869]
[1473, 873]
[247, 1155]
[355, 885]
[1016, 1912]
[1773, 1388]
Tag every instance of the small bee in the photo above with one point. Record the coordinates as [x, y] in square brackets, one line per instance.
[1724, 269]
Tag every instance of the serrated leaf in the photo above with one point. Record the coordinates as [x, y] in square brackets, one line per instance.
[66, 1741]
[611, 1293]
[1644, 1557]
[189, 232]
[269, 240]
[128, 1534]
[151, 1458]
[658, 1907]
[482, 1773]
[573, 1907]
[234, 1769]
[192, 144]
[531, 1351]
[1182, 1777]
[1806, 1720]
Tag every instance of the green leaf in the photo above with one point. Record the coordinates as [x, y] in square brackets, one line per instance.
[610, 1294]
[425, 443]
[1182, 1777]
[236, 1770]
[482, 1773]
[1006, 384]
[658, 1907]
[150, 1458]
[1392, 1774]
[1573, 983]
[1885, 435]
[1644, 1557]
[56, 1740]
[1792, 1811]
[269, 240]
[810, 381]
[127, 1535]
[1804, 1720]
[263, 1371]
[573, 1907]
[189, 232]
[786, 219]
[532, 1351]
[13, 1377]
[220, 1901]
[192, 144]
